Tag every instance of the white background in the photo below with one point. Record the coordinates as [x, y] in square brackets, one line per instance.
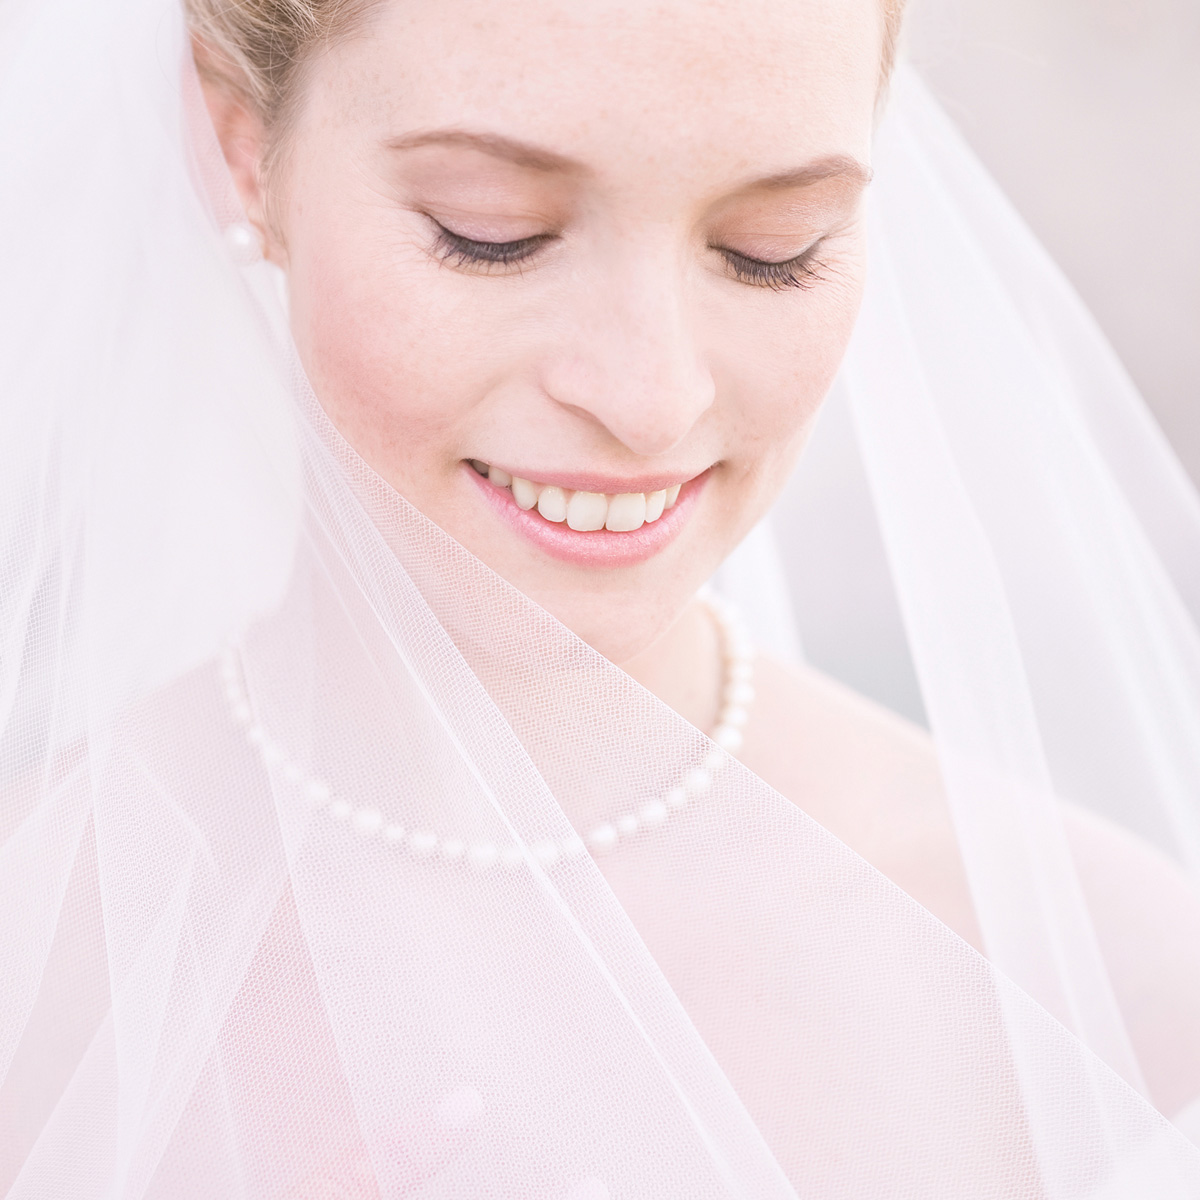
[1088, 114]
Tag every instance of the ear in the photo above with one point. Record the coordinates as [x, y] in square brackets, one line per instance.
[242, 137]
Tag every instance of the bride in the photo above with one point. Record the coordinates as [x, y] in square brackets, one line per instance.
[363, 834]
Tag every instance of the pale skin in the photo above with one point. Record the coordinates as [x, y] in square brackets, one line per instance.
[633, 340]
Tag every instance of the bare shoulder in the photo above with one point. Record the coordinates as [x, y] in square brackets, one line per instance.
[872, 779]
[1146, 913]
[868, 776]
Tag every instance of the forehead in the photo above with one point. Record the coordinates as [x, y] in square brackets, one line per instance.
[738, 86]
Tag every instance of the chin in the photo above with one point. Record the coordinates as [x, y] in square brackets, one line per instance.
[619, 592]
[618, 621]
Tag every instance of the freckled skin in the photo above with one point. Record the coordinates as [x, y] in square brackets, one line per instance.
[626, 345]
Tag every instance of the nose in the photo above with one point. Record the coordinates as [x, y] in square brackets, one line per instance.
[629, 358]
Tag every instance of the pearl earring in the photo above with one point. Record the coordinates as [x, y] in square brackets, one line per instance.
[243, 242]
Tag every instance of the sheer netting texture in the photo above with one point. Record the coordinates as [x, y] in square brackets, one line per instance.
[240, 677]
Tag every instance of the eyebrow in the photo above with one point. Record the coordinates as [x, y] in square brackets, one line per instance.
[832, 166]
[536, 158]
[521, 153]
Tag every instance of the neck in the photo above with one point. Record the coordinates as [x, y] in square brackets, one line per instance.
[683, 668]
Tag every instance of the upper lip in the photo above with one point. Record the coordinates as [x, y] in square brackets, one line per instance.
[608, 485]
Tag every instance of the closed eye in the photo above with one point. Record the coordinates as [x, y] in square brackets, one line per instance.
[803, 271]
[461, 251]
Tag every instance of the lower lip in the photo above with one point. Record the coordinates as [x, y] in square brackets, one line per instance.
[602, 547]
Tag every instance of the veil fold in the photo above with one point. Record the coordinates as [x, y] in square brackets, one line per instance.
[243, 684]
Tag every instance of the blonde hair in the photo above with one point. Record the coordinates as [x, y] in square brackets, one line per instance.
[893, 16]
[259, 48]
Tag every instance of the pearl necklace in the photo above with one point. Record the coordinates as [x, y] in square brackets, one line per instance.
[737, 694]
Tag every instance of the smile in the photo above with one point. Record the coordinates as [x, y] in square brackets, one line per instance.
[585, 512]
[583, 525]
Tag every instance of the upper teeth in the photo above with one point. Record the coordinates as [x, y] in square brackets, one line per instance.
[584, 511]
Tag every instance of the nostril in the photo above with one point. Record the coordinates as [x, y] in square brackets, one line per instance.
[648, 396]
[652, 436]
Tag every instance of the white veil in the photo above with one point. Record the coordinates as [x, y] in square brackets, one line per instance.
[241, 681]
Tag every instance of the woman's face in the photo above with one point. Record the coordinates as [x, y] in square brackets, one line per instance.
[607, 249]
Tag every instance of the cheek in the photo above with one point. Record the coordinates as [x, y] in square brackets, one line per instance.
[382, 346]
[778, 360]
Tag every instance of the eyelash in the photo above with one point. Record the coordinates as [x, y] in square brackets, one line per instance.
[464, 252]
[802, 272]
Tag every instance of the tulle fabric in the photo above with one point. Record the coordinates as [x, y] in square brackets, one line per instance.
[1041, 545]
[222, 976]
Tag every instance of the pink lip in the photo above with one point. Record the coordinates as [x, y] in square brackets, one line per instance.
[605, 485]
[601, 548]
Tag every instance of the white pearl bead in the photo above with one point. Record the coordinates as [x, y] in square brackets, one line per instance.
[256, 735]
[340, 810]
[715, 761]
[316, 792]
[395, 833]
[740, 694]
[293, 773]
[423, 843]
[242, 242]
[368, 821]
[272, 754]
[741, 672]
[511, 856]
[654, 813]
[603, 837]
[452, 849]
[697, 781]
[676, 798]
[728, 738]
[573, 846]
[546, 853]
[483, 854]
[627, 826]
[242, 713]
[736, 716]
